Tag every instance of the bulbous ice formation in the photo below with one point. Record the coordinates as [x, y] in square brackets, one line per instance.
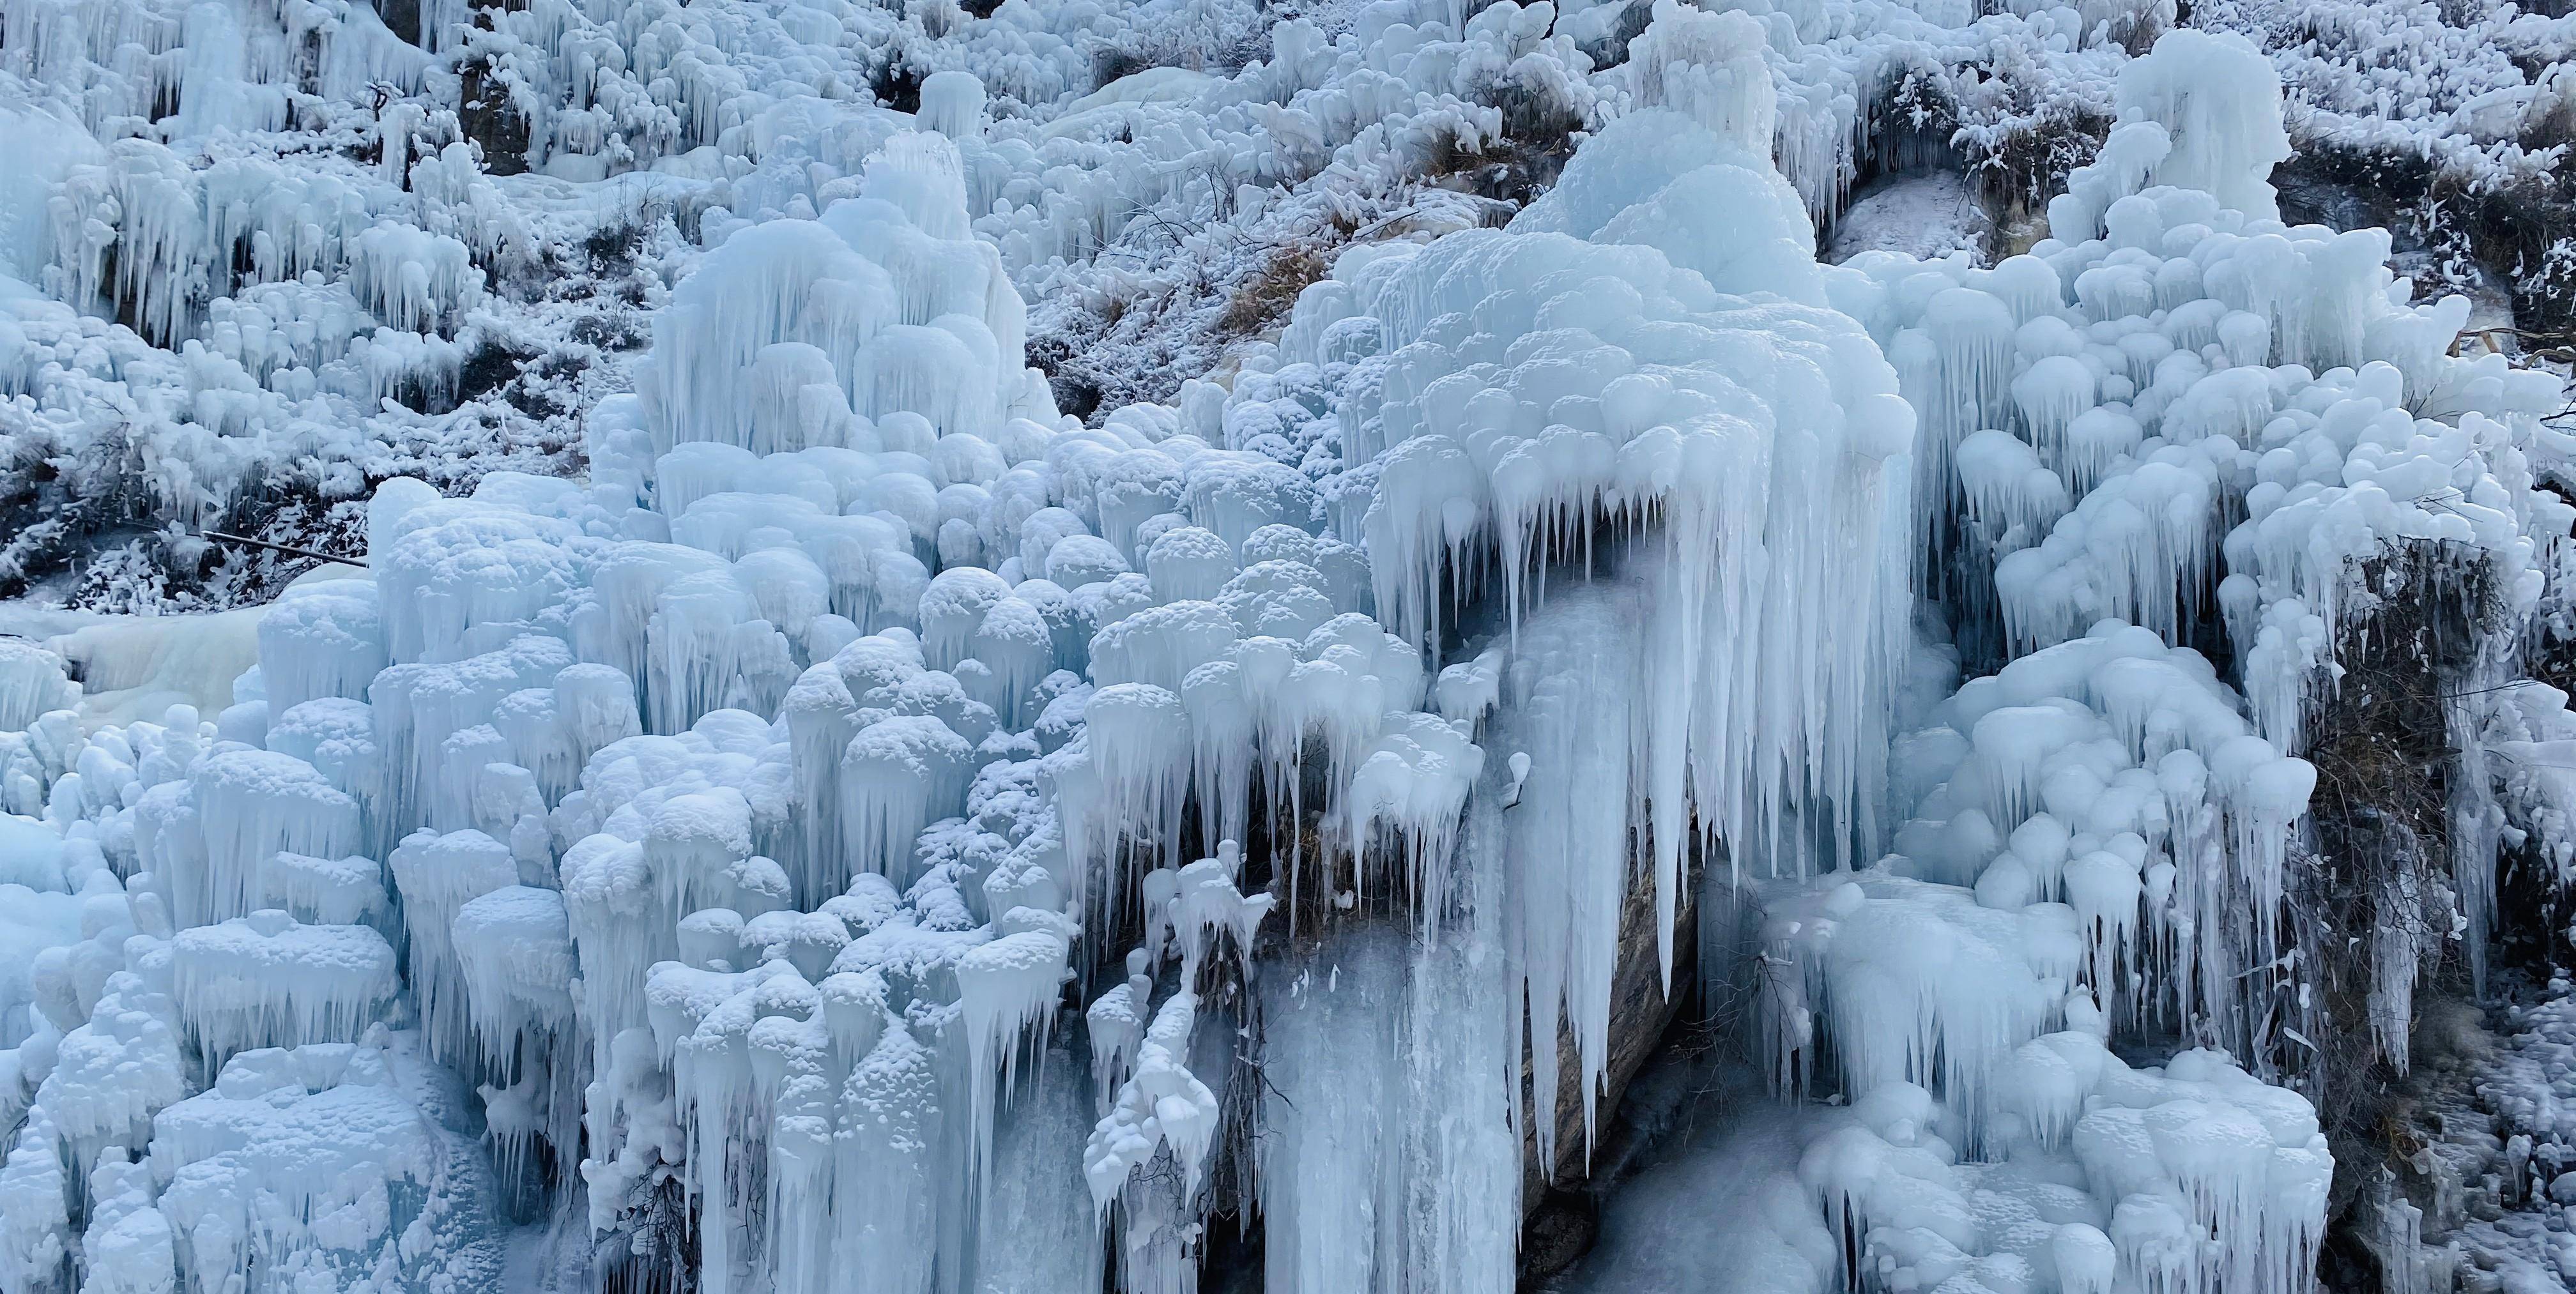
[805, 334]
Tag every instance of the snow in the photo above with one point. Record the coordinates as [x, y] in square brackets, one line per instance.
[1923, 216]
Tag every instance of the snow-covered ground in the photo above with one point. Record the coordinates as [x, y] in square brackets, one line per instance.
[1923, 216]
[1014, 647]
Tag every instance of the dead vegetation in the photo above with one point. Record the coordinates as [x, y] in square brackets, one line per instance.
[1513, 172]
[2518, 226]
[1266, 297]
[2376, 878]
[1505, 178]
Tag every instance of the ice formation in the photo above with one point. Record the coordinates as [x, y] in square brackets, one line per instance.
[874, 831]
[2175, 411]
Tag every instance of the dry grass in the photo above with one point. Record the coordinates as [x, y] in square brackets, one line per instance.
[2380, 830]
[1264, 298]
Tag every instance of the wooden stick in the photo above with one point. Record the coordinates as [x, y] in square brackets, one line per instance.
[283, 548]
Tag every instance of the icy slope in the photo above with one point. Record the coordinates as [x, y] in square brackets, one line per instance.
[2449, 120]
[267, 221]
[2240, 436]
[780, 996]
[873, 831]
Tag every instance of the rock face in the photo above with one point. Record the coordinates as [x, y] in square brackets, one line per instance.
[1558, 1206]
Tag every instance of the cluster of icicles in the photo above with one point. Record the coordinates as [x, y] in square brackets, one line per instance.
[2177, 397]
[740, 812]
[741, 819]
